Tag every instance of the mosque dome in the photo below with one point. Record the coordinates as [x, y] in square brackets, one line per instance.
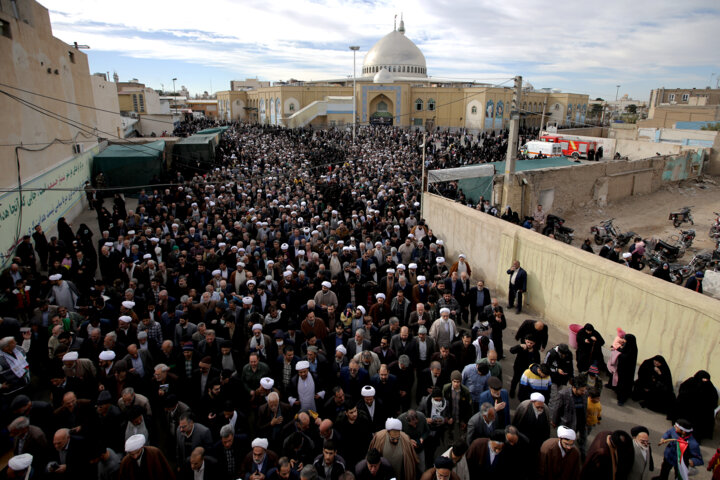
[383, 76]
[396, 54]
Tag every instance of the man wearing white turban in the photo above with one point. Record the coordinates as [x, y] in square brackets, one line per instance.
[143, 461]
[559, 458]
[443, 329]
[396, 447]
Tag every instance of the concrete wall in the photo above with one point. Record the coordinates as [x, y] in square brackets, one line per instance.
[35, 61]
[106, 99]
[567, 285]
[577, 186]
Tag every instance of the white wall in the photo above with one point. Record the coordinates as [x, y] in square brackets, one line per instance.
[106, 98]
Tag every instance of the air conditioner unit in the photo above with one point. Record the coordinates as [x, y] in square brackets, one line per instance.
[78, 148]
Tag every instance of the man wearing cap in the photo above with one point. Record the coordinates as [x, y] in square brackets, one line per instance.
[695, 282]
[559, 458]
[498, 397]
[443, 330]
[143, 461]
[396, 447]
[532, 417]
[109, 420]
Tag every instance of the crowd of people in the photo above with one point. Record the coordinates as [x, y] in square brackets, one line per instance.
[289, 315]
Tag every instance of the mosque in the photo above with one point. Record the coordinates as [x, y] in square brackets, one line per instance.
[394, 88]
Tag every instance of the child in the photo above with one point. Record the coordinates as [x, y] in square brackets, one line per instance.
[714, 465]
[594, 409]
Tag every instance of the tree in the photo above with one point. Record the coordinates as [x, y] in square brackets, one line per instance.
[632, 109]
[596, 110]
[715, 127]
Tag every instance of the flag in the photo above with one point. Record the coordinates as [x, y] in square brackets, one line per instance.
[682, 470]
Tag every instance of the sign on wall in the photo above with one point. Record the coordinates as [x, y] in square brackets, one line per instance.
[43, 202]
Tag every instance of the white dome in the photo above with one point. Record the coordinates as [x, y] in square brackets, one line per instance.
[397, 54]
[383, 76]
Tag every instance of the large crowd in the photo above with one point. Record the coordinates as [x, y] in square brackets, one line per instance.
[289, 315]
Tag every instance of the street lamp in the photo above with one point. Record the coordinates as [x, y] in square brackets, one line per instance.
[174, 94]
[354, 49]
[617, 92]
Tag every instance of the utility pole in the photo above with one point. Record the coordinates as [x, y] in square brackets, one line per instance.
[354, 49]
[512, 193]
[511, 156]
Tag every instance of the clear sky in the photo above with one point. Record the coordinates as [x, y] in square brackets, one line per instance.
[578, 46]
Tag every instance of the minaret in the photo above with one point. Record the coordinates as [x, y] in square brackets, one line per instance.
[402, 25]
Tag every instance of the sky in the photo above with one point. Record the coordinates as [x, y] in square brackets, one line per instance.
[578, 46]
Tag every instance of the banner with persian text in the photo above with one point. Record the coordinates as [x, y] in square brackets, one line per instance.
[45, 198]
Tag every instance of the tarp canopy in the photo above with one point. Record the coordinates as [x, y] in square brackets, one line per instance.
[450, 174]
[195, 150]
[474, 188]
[130, 164]
[214, 130]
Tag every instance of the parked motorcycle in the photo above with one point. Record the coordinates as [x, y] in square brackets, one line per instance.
[682, 216]
[555, 225]
[670, 252]
[607, 230]
[679, 273]
[715, 227]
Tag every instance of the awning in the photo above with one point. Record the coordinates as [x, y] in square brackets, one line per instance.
[450, 174]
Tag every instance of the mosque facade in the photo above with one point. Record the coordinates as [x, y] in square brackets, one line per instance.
[393, 88]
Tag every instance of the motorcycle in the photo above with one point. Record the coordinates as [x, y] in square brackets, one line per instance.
[679, 273]
[682, 216]
[670, 252]
[606, 231]
[715, 227]
[554, 225]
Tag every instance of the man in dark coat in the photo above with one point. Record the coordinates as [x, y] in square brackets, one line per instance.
[610, 455]
[559, 458]
[517, 285]
[41, 247]
[478, 298]
[143, 462]
[485, 459]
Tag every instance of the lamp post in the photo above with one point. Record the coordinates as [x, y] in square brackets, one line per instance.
[174, 95]
[354, 49]
[617, 92]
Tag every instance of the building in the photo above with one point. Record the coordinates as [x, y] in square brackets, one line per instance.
[247, 84]
[51, 127]
[393, 87]
[669, 106]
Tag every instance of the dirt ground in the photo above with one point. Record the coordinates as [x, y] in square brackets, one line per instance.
[647, 215]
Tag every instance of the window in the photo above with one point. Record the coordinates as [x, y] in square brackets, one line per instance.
[473, 110]
[417, 122]
[431, 105]
[5, 29]
[71, 55]
[135, 102]
[685, 97]
[141, 98]
[382, 107]
[292, 107]
[671, 97]
[418, 105]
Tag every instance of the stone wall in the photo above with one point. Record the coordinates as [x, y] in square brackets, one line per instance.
[567, 285]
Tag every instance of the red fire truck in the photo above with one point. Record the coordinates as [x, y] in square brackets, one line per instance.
[571, 146]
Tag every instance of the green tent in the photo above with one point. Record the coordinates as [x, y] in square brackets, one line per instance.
[474, 188]
[209, 131]
[130, 164]
[197, 151]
